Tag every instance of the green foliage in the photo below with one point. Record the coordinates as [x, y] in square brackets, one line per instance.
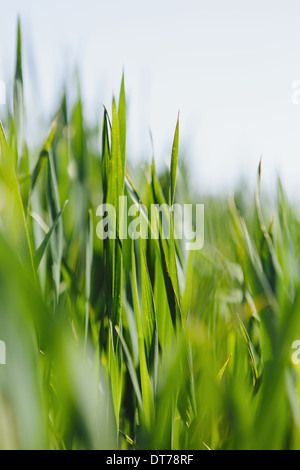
[122, 343]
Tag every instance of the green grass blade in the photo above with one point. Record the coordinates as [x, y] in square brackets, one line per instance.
[88, 274]
[147, 395]
[122, 122]
[43, 246]
[174, 163]
[56, 240]
[149, 317]
[18, 98]
[173, 300]
[131, 369]
[105, 153]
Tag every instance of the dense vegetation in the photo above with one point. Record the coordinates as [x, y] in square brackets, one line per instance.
[138, 344]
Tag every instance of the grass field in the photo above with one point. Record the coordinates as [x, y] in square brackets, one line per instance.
[139, 344]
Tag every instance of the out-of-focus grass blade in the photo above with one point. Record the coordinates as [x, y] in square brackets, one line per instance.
[113, 246]
[42, 224]
[132, 191]
[114, 175]
[186, 298]
[265, 232]
[164, 322]
[144, 373]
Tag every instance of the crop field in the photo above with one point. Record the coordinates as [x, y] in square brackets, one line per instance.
[135, 342]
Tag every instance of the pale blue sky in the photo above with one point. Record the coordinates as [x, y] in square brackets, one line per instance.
[227, 66]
